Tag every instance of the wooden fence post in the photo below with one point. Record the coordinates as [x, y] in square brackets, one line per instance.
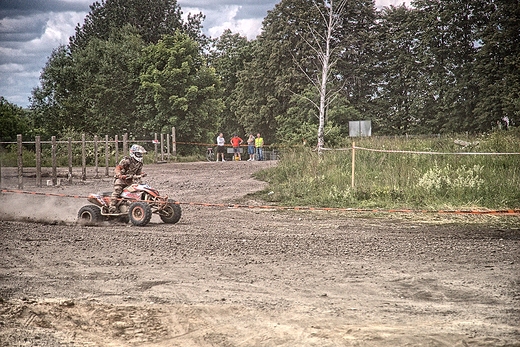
[106, 155]
[38, 153]
[20, 161]
[96, 161]
[117, 150]
[174, 143]
[83, 159]
[155, 149]
[54, 162]
[69, 150]
[162, 147]
[353, 162]
[125, 144]
[168, 147]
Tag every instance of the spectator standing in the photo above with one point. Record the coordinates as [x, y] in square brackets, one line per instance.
[221, 148]
[259, 145]
[251, 147]
[236, 141]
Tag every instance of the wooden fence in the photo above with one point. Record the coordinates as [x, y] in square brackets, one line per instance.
[164, 146]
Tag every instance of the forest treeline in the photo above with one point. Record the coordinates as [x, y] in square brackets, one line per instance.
[138, 67]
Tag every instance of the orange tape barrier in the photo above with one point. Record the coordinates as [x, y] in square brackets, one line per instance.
[299, 208]
[43, 194]
[511, 212]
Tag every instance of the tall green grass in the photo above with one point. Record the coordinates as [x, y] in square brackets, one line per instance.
[402, 180]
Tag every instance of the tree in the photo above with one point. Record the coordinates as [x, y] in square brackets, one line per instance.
[299, 125]
[497, 70]
[51, 102]
[107, 73]
[269, 81]
[285, 62]
[340, 64]
[91, 85]
[446, 35]
[14, 120]
[93, 88]
[229, 55]
[426, 64]
[252, 100]
[322, 45]
[397, 69]
[152, 19]
[177, 88]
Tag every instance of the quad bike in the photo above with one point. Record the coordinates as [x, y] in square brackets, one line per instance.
[136, 204]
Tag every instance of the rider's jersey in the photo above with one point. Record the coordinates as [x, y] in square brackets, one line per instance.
[127, 166]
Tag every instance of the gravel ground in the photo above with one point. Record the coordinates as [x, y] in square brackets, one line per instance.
[250, 277]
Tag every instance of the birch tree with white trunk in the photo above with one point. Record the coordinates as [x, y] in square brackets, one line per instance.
[321, 44]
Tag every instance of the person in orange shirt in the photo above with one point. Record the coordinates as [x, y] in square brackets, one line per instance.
[236, 141]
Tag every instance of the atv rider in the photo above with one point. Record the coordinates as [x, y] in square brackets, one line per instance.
[124, 174]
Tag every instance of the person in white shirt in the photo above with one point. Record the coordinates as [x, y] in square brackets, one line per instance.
[221, 149]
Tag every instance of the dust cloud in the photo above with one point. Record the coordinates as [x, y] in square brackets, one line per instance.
[36, 208]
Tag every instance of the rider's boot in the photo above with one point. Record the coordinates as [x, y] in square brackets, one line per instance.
[112, 208]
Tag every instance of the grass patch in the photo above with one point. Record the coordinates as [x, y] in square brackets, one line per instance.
[402, 180]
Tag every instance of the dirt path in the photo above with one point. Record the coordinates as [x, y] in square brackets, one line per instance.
[247, 277]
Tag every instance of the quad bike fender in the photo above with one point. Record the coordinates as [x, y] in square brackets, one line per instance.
[131, 188]
[97, 199]
[131, 195]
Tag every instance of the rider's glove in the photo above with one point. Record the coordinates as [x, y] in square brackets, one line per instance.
[123, 177]
[144, 174]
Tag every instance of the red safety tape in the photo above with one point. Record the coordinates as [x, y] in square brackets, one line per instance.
[337, 209]
[44, 194]
[512, 212]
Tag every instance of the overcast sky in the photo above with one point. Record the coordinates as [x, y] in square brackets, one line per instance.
[31, 29]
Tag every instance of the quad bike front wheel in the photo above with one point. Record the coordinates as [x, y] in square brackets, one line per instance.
[140, 213]
[171, 213]
[89, 214]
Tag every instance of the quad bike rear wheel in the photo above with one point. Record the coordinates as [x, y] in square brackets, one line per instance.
[140, 213]
[171, 213]
[89, 214]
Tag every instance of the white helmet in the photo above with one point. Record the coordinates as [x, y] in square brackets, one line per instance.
[137, 152]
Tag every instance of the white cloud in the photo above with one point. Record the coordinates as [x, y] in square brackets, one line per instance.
[250, 28]
[9, 52]
[225, 17]
[386, 3]
[58, 28]
[12, 67]
[27, 42]
[222, 17]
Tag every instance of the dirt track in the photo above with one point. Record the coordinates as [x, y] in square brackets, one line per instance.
[247, 277]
